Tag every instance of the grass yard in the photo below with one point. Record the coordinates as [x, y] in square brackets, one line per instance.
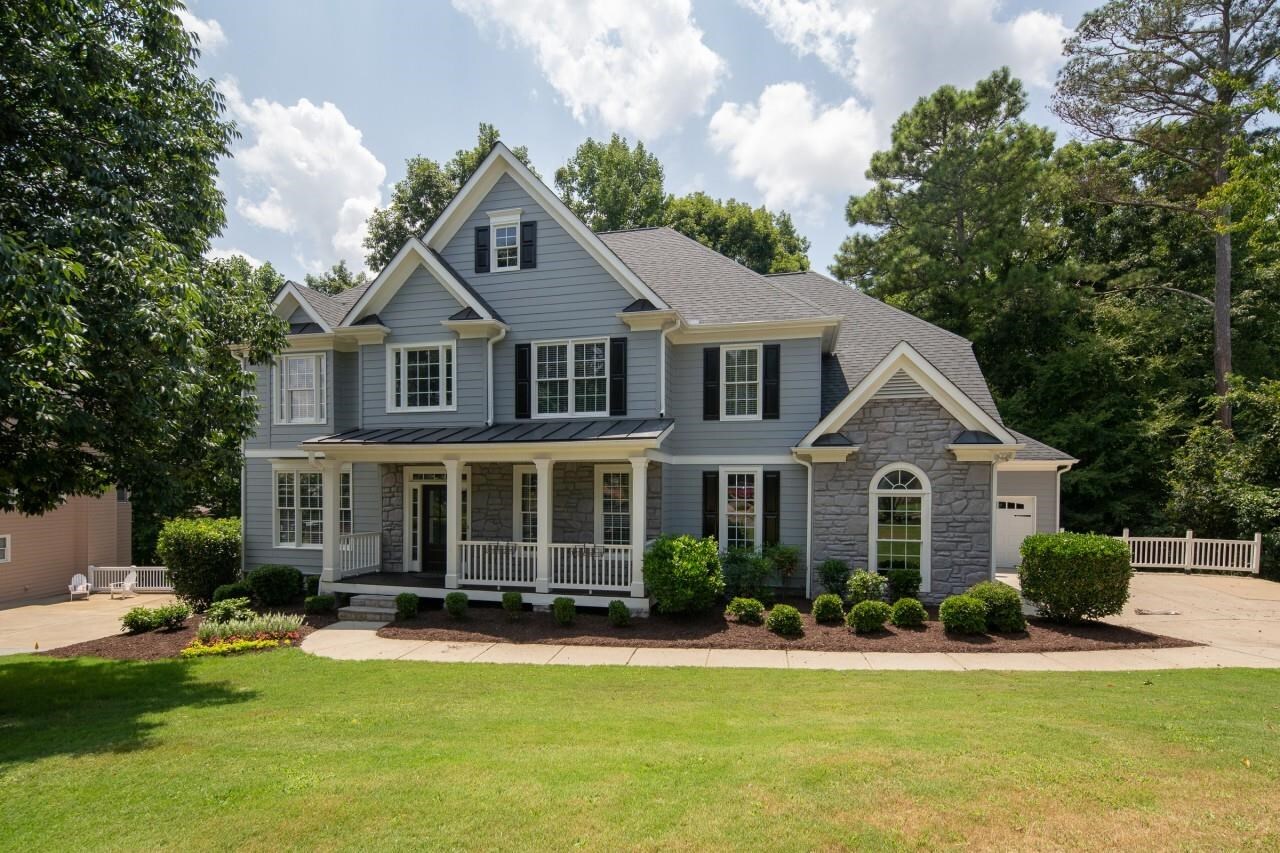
[282, 750]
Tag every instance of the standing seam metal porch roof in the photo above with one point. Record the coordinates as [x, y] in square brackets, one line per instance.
[522, 432]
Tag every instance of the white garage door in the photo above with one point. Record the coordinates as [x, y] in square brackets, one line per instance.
[1015, 521]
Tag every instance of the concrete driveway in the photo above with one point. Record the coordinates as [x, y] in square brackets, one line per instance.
[52, 622]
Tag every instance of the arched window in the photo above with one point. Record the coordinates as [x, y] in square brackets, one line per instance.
[899, 529]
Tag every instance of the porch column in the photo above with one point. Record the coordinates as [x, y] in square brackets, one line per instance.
[639, 514]
[543, 467]
[453, 520]
[330, 497]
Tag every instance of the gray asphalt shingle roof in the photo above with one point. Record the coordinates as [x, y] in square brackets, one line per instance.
[331, 309]
[1038, 450]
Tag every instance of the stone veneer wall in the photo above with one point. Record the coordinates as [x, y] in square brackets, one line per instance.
[915, 431]
[392, 517]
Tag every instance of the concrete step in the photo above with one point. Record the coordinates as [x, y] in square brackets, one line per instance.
[367, 600]
[367, 614]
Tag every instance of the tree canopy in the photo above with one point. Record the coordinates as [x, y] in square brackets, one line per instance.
[336, 279]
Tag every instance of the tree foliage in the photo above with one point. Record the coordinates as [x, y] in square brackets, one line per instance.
[610, 185]
[336, 279]
[753, 236]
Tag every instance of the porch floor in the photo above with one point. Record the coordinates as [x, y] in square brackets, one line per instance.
[431, 585]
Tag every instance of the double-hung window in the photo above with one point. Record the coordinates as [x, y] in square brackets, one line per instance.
[420, 377]
[300, 389]
[504, 225]
[6, 548]
[572, 377]
[741, 505]
[299, 507]
[613, 505]
[740, 383]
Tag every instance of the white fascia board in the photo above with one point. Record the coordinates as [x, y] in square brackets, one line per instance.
[905, 357]
[1037, 464]
[475, 328]
[828, 328]
[501, 161]
[290, 292]
[836, 453]
[984, 452]
[396, 273]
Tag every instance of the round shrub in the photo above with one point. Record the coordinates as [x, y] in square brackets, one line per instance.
[455, 604]
[783, 559]
[564, 610]
[239, 589]
[746, 574]
[319, 604]
[201, 554]
[748, 611]
[908, 613]
[228, 609]
[274, 585]
[867, 617]
[619, 614]
[784, 620]
[834, 576]
[683, 574]
[1071, 577]
[311, 584]
[963, 614]
[864, 586]
[828, 609]
[513, 604]
[903, 583]
[170, 616]
[1004, 606]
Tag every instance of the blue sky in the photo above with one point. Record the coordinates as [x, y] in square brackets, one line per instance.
[778, 102]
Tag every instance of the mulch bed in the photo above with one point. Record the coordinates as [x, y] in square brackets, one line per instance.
[490, 624]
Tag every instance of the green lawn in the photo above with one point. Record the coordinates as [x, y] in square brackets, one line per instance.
[283, 750]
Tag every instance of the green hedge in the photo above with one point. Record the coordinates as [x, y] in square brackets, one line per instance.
[747, 611]
[908, 613]
[1072, 577]
[564, 610]
[201, 554]
[619, 614]
[683, 574]
[828, 608]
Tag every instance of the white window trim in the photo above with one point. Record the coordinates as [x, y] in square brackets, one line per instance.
[303, 468]
[724, 389]
[601, 470]
[725, 471]
[7, 538]
[926, 518]
[517, 472]
[501, 219]
[322, 388]
[442, 343]
[569, 344]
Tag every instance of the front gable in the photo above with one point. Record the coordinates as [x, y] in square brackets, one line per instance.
[291, 306]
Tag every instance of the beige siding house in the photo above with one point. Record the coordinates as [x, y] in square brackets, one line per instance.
[40, 553]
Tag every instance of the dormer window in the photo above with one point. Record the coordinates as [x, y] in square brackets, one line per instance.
[504, 226]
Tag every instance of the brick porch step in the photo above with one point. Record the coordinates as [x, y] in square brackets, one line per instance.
[369, 608]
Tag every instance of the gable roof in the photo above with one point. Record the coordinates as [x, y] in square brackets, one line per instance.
[377, 293]
[1038, 450]
[316, 305]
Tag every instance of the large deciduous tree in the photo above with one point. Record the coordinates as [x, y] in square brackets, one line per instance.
[336, 279]
[1187, 80]
[610, 185]
[755, 237]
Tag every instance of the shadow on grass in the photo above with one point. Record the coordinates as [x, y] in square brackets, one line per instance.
[84, 706]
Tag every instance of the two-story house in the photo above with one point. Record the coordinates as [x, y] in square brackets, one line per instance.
[516, 402]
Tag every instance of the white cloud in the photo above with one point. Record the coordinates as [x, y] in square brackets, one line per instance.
[207, 30]
[305, 172]
[640, 68]
[217, 254]
[795, 150]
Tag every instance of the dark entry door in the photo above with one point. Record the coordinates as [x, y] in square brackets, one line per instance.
[434, 527]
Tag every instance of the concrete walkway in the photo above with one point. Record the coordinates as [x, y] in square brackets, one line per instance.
[49, 623]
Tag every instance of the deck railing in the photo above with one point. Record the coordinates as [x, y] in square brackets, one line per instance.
[498, 563]
[1195, 555]
[591, 567]
[149, 578]
[358, 553]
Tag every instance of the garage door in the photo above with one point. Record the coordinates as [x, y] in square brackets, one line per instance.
[1015, 521]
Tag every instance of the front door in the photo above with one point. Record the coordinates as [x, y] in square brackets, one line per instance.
[1015, 521]
[434, 527]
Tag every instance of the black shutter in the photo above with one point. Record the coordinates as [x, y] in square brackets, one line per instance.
[617, 377]
[772, 507]
[482, 248]
[711, 383]
[529, 245]
[772, 406]
[711, 503]
[524, 382]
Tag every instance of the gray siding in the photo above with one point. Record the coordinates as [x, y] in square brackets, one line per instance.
[279, 436]
[801, 397]
[1043, 485]
[346, 391]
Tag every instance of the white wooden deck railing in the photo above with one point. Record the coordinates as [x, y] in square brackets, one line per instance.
[150, 578]
[498, 563]
[358, 553]
[1195, 555]
[592, 567]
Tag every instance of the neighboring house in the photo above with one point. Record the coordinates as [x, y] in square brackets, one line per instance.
[40, 553]
[516, 402]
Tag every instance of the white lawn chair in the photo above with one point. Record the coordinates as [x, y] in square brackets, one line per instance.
[79, 586]
[125, 587]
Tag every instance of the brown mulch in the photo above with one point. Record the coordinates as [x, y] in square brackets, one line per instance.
[157, 645]
[491, 624]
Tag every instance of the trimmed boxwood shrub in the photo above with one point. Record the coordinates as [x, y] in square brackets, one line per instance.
[784, 620]
[864, 586]
[201, 554]
[319, 604]
[903, 583]
[513, 603]
[619, 614]
[311, 584]
[963, 614]
[564, 610]
[908, 613]
[783, 559]
[683, 574]
[834, 576]
[748, 611]
[407, 605]
[455, 604]
[1072, 577]
[274, 585]
[828, 609]
[867, 617]
[1004, 606]
[239, 589]
[170, 616]
[228, 609]
[746, 574]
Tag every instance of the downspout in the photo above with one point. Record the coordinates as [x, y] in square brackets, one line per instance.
[662, 366]
[502, 333]
[244, 475]
[1057, 498]
[808, 528]
[995, 497]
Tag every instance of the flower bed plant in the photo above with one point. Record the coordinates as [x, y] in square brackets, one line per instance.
[268, 626]
[231, 647]
[140, 619]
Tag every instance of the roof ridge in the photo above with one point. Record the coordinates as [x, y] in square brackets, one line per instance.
[637, 228]
[859, 293]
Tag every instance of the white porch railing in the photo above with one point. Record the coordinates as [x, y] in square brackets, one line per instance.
[498, 563]
[593, 567]
[1194, 555]
[150, 578]
[358, 553]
